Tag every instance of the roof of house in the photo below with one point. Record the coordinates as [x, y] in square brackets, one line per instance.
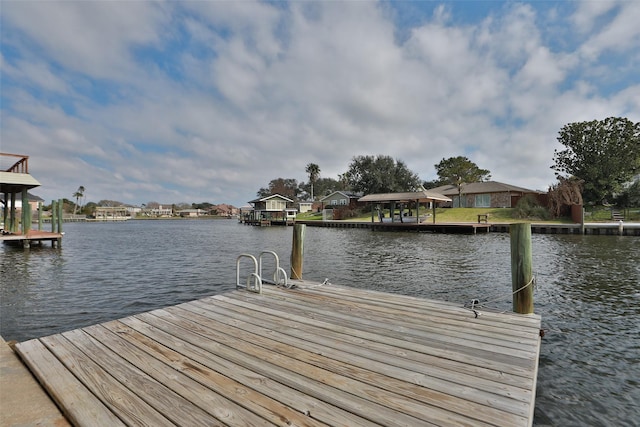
[422, 196]
[348, 195]
[264, 199]
[481, 187]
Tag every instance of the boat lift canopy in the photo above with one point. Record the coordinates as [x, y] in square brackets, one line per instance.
[412, 196]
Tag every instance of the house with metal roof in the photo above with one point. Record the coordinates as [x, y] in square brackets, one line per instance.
[271, 210]
[487, 194]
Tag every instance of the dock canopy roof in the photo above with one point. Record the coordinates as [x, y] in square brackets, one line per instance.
[11, 182]
[421, 196]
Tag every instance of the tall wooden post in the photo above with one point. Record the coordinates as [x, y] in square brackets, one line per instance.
[297, 251]
[521, 268]
[54, 216]
[13, 223]
[39, 216]
[25, 212]
[60, 216]
[5, 212]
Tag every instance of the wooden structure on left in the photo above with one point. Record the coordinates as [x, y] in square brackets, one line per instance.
[15, 181]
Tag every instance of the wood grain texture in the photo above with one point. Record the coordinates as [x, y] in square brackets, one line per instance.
[308, 356]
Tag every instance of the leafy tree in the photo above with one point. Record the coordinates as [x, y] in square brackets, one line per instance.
[381, 174]
[204, 206]
[630, 197]
[460, 170]
[604, 154]
[322, 187]
[433, 184]
[314, 173]
[285, 187]
[78, 195]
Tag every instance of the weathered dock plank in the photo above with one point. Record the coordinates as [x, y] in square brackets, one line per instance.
[308, 356]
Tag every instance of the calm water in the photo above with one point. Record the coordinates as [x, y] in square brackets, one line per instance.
[588, 290]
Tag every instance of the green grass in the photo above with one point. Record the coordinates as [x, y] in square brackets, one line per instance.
[496, 215]
[603, 214]
[449, 215]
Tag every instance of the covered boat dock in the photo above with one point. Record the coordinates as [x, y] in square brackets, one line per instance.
[403, 200]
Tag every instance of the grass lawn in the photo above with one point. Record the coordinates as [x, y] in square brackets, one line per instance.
[496, 215]
[449, 215]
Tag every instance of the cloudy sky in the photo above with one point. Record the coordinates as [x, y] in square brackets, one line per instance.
[210, 100]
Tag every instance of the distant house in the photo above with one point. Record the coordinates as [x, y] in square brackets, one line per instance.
[33, 201]
[305, 207]
[223, 210]
[488, 194]
[111, 213]
[191, 213]
[339, 199]
[338, 204]
[274, 208]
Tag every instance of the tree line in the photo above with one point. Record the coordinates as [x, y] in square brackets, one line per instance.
[597, 166]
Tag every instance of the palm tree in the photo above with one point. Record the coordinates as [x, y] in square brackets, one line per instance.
[78, 195]
[314, 172]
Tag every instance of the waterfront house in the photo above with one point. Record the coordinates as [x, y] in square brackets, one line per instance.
[338, 204]
[488, 194]
[305, 207]
[273, 209]
[191, 213]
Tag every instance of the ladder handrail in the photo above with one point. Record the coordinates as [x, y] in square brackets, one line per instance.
[257, 281]
[278, 272]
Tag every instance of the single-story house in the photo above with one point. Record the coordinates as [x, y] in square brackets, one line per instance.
[338, 204]
[191, 213]
[339, 199]
[487, 194]
[33, 201]
[305, 207]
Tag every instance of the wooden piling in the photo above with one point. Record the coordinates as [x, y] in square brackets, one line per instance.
[39, 216]
[54, 216]
[13, 222]
[297, 251]
[25, 217]
[521, 268]
[60, 216]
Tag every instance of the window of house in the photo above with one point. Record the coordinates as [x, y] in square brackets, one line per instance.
[483, 201]
[343, 201]
[456, 202]
[334, 202]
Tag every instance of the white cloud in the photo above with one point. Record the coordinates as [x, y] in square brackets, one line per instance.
[231, 95]
[95, 38]
[620, 34]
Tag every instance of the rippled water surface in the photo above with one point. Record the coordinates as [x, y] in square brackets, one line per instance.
[588, 290]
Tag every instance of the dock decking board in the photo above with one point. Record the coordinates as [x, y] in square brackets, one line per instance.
[311, 356]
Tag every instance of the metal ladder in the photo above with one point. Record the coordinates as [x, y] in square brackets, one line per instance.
[255, 279]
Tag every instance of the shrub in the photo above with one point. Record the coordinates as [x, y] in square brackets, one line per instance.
[529, 208]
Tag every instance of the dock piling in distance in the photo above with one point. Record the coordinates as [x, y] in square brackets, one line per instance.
[521, 268]
[54, 216]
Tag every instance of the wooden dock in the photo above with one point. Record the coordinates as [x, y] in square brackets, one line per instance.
[314, 355]
[31, 237]
[422, 227]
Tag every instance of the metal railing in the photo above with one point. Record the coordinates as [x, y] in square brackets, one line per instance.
[255, 279]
